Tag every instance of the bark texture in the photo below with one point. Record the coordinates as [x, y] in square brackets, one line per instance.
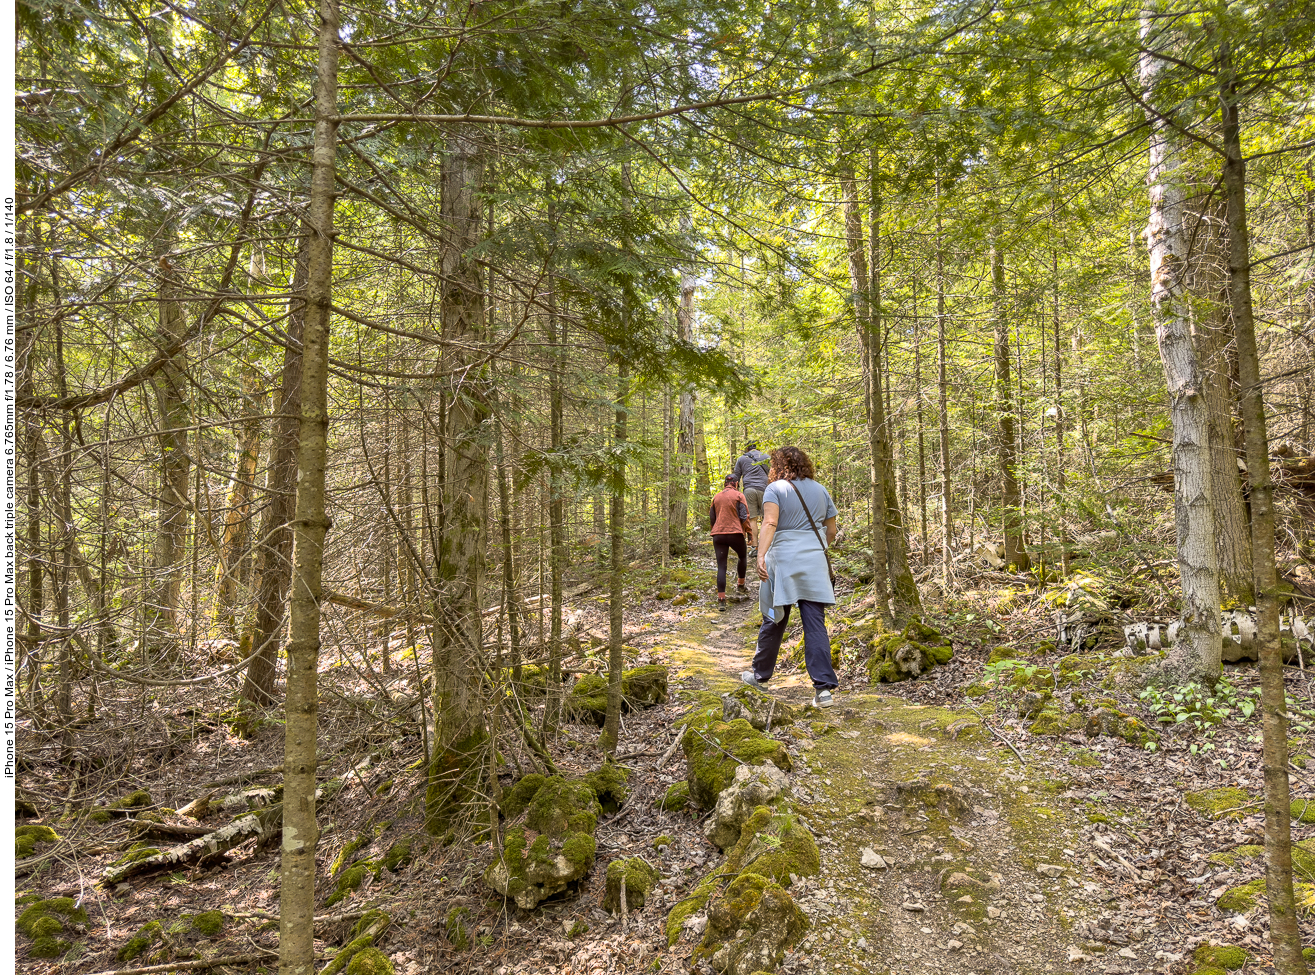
[456, 772]
[235, 542]
[1006, 438]
[300, 832]
[611, 734]
[1197, 653]
[1284, 934]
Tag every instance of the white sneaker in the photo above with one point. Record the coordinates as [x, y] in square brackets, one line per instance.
[822, 699]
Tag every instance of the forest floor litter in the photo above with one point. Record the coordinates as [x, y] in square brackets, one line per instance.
[941, 851]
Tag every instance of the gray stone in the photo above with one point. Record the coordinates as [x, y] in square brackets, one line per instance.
[873, 859]
[1051, 870]
[754, 785]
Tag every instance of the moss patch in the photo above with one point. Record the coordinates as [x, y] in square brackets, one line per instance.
[1225, 801]
[209, 923]
[141, 942]
[138, 851]
[370, 961]
[1228, 957]
[641, 687]
[455, 929]
[399, 854]
[638, 879]
[517, 799]
[60, 909]
[609, 785]
[775, 844]
[350, 880]
[715, 749]
[676, 797]
[26, 839]
[908, 654]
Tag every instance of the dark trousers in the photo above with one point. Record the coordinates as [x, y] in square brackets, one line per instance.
[817, 645]
[723, 544]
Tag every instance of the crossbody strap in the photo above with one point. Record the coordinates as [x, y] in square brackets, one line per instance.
[813, 525]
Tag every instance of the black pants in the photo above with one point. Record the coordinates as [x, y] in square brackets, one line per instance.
[817, 646]
[723, 545]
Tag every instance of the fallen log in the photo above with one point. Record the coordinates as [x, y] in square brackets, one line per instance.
[195, 965]
[203, 849]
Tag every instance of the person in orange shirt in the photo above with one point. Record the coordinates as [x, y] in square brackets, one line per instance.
[729, 519]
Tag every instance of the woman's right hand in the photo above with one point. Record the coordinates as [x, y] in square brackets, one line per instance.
[762, 568]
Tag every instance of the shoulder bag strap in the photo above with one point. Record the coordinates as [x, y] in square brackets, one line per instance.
[812, 524]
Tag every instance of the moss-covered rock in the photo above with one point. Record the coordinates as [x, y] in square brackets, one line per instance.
[609, 784]
[1112, 722]
[209, 923]
[517, 799]
[751, 925]
[62, 910]
[348, 881]
[49, 946]
[638, 879]
[1228, 957]
[147, 936]
[349, 850]
[1001, 654]
[676, 798]
[641, 687]
[1241, 899]
[660, 841]
[761, 710]
[455, 928]
[908, 654]
[1051, 721]
[26, 839]
[562, 806]
[399, 854]
[1303, 810]
[690, 906]
[774, 843]
[1226, 801]
[529, 873]
[369, 961]
[715, 749]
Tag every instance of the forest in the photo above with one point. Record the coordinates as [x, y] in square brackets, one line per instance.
[375, 367]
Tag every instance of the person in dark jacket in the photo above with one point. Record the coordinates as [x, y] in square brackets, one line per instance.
[728, 518]
[751, 475]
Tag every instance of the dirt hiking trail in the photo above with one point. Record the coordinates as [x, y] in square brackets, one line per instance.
[940, 851]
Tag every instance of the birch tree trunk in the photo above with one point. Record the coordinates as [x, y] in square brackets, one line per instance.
[456, 772]
[685, 424]
[1196, 655]
[1006, 442]
[300, 833]
[275, 541]
[1284, 934]
[943, 388]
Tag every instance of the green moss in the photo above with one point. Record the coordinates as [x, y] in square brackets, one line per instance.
[399, 854]
[46, 927]
[26, 839]
[349, 951]
[350, 880]
[749, 905]
[1303, 810]
[99, 816]
[661, 841]
[676, 797]
[976, 690]
[728, 912]
[345, 855]
[910, 653]
[641, 687]
[1208, 970]
[517, 799]
[609, 785]
[139, 851]
[579, 850]
[562, 806]
[1113, 723]
[455, 929]
[638, 879]
[577, 929]
[715, 749]
[370, 961]
[370, 919]
[209, 923]
[49, 947]
[1228, 957]
[775, 844]
[61, 909]
[140, 943]
[1241, 899]
[139, 799]
[1238, 855]
[1051, 721]
[1227, 801]
[689, 906]
[1001, 654]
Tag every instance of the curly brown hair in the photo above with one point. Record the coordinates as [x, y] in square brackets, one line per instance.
[790, 464]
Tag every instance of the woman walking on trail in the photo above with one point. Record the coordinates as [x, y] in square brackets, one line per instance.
[795, 567]
[729, 519]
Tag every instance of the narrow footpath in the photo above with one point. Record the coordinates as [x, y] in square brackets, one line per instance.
[941, 853]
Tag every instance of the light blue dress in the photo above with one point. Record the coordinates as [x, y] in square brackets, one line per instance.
[796, 563]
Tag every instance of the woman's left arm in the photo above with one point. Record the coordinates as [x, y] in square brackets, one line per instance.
[831, 530]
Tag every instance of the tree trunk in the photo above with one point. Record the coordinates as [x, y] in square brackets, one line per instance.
[1006, 441]
[558, 556]
[611, 734]
[170, 386]
[1062, 534]
[456, 771]
[863, 288]
[702, 483]
[509, 598]
[275, 542]
[667, 499]
[1284, 934]
[237, 519]
[301, 713]
[943, 388]
[26, 260]
[1196, 655]
[685, 425]
[1212, 338]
